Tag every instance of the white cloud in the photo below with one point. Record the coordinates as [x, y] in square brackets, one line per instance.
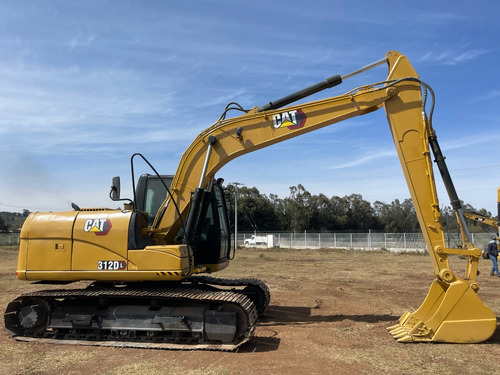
[83, 39]
[453, 57]
[488, 95]
[366, 159]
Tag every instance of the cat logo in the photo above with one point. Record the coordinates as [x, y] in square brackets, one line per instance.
[291, 119]
[100, 227]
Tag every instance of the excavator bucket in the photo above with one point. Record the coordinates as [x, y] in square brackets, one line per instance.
[451, 312]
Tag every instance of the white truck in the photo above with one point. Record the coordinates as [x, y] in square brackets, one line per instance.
[256, 240]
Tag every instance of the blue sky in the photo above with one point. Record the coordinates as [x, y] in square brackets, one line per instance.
[85, 84]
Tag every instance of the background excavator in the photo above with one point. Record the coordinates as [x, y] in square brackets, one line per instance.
[148, 260]
[492, 222]
[486, 220]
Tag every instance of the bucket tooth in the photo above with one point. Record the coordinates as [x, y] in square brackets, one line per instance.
[451, 312]
[400, 335]
[405, 339]
[398, 331]
[391, 328]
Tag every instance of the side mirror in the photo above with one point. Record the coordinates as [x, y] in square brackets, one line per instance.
[114, 194]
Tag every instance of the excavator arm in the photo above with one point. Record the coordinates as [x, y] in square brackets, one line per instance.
[452, 311]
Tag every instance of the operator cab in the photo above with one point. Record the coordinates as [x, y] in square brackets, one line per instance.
[150, 194]
[209, 235]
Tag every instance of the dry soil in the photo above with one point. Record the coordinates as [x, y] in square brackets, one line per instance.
[328, 315]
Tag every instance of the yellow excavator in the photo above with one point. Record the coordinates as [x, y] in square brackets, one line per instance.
[151, 261]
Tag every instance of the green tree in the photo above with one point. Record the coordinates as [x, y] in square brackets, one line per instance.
[279, 211]
[298, 210]
[360, 213]
[322, 215]
[3, 225]
[396, 216]
[339, 207]
[255, 211]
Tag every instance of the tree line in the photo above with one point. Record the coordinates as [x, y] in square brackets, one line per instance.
[302, 211]
[12, 221]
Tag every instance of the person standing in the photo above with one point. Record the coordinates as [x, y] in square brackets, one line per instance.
[493, 254]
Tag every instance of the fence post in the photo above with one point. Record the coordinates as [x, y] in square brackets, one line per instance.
[369, 239]
[404, 238]
[319, 240]
[305, 239]
[350, 236]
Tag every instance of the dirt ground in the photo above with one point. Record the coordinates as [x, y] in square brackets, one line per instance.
[328, 315]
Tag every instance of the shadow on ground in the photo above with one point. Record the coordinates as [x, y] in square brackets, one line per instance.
[265, 340]
[279, 315]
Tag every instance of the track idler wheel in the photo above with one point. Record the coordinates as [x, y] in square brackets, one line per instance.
[228, 324]
[257, 296]
[26, 316]
[241, 318]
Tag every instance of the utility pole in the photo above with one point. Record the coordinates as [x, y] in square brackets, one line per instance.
[236, 184]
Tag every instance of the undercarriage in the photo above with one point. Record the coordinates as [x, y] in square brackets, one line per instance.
[199, 313]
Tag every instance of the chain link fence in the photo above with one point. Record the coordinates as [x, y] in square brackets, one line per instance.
[9, 239]
[395, 242]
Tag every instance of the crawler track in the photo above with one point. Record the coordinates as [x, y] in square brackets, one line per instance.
[256, 289]
[142, 317]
